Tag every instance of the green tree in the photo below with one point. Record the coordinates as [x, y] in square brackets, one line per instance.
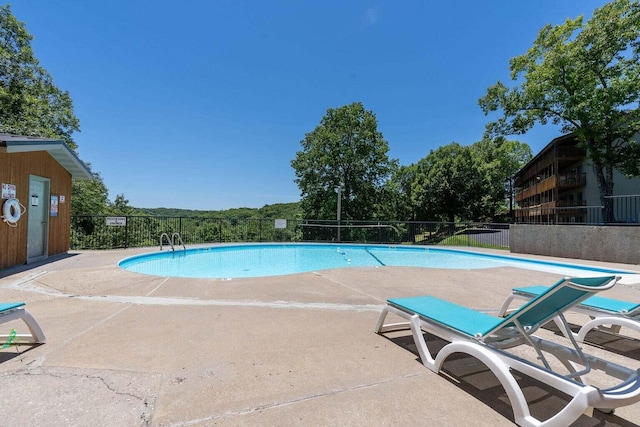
[90, 197]
[584, 77]
[449, 185]
[399, 204]
[120, 206]
[346, 152]
[30, 103]
[499, 159]
[280, 210]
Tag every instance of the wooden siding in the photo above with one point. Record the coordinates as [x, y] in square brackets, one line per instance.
[15, 169]
[530, 192]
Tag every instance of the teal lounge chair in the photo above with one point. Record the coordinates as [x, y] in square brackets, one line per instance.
[607, 314]
[488, 337]
[15, 311]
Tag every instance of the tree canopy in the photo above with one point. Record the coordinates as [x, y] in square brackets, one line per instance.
[455, 182]
[346, 152]
[499, 160]
[584, 77]
[89, 197]
[30, 103]
[448, 184]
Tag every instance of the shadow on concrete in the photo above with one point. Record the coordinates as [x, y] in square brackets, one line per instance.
[614, 343]
[475, 378]
[16, 351]
[25, 267]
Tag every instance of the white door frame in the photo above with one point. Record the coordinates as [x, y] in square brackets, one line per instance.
[38, 218]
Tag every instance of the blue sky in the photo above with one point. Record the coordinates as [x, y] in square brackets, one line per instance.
[202, 104]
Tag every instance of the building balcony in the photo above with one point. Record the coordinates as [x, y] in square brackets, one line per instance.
[572, 180]
[570, 154]
[570, 203]
[540, 186]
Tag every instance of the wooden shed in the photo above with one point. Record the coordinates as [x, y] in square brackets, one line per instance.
[35, 174]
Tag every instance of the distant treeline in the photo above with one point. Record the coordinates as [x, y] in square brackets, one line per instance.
[145, 226]
[277, 210]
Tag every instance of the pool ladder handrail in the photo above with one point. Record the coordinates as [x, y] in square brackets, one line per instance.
[171, 240]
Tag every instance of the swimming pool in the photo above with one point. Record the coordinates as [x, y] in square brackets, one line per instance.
[261, 260]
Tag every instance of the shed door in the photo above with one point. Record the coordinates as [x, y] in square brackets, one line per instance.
[38, 217]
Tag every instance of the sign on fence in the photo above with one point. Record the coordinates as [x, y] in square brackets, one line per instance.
[281, 223]
[118, 221]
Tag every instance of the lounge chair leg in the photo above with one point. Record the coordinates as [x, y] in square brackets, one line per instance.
[421, 344]
[615, 322]
[519, 404]
[34, 328]
[381, 318]
[381, 327]
[36, 334]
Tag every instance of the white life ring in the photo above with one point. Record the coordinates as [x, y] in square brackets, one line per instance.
[11, 211]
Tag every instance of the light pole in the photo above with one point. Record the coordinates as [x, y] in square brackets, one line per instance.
[339, 209]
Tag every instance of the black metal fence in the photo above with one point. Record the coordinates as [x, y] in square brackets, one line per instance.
[104, 232]
[626, 209]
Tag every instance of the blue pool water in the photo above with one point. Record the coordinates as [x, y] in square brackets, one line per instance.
[279, 259]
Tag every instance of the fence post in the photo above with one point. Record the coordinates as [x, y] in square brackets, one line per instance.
[126, 232]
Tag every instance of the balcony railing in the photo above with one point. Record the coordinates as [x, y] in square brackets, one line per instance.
[560, 215]
[572, 180]
[626, 211]
[570, 203]
[571, 152]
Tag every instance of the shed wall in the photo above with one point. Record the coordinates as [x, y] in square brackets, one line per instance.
[15, 169]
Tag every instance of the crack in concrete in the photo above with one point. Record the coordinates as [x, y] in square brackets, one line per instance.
[351, 288]
[34, 373]
[146, 413]
[275, 405]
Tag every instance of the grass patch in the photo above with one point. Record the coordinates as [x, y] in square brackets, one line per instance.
[469, 241]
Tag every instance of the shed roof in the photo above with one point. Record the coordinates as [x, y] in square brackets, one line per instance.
[59, 150]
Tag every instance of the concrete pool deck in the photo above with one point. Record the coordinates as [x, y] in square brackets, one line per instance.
[126, 349]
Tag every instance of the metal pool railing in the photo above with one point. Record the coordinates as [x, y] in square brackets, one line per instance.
[108, 232]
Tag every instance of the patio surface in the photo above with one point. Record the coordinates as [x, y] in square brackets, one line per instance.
[125, 349]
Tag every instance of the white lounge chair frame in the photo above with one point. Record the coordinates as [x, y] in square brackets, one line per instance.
[601, 318]
[490, 347]
[16, 311]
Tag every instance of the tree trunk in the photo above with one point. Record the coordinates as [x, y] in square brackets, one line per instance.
[604, 176]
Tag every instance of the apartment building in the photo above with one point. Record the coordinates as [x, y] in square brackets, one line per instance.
[559, 186]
